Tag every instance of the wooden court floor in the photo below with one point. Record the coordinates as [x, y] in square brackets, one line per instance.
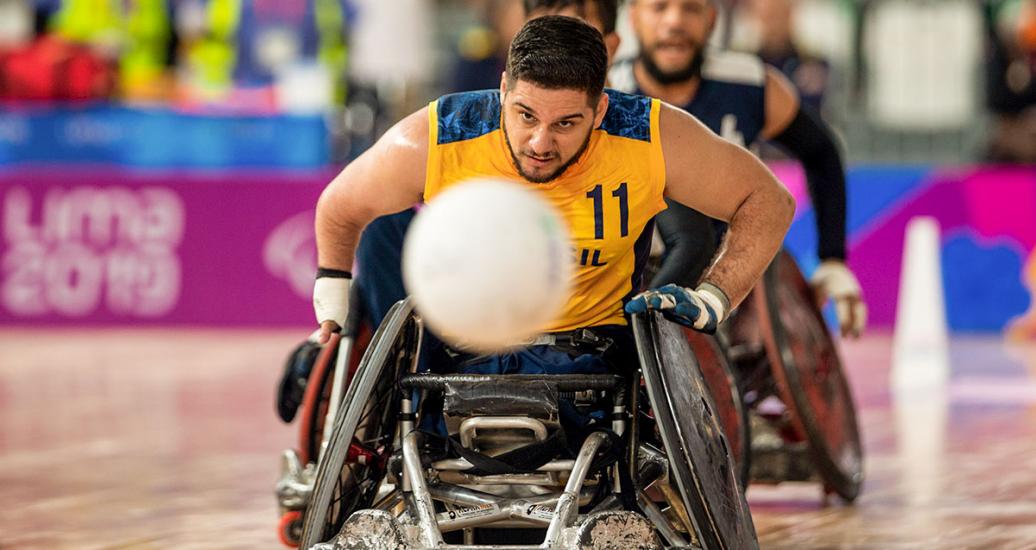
[168, 439]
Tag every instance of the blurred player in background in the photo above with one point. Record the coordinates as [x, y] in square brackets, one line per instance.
[1011, 79]
[774, 20]
[743, 100]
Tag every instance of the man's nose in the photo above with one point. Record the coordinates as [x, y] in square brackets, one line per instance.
[540, 141]
[670, 18]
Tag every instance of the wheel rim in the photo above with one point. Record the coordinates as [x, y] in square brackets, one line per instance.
[810, 376]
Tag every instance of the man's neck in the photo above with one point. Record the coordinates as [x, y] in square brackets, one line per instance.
[678, 93]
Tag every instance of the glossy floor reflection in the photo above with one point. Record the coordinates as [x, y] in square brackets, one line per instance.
[168, 439]
[954, 469]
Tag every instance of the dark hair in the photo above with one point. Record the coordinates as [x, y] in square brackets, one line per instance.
[559, 52]
[607, 10]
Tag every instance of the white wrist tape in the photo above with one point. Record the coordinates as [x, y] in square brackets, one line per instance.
[331, 299]
[713, 296]
[836, 280]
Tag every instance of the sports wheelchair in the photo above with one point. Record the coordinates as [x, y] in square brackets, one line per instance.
[773, 373]
[659, 475]
[785, 403]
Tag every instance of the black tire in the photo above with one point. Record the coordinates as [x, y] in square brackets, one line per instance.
[701, 468]
[367, 418]
[733, 414]
[811, 381]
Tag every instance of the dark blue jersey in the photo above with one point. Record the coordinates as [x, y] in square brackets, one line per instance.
[730, 99]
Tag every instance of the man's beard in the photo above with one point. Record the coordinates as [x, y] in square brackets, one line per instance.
[665, 78]
[553, 175]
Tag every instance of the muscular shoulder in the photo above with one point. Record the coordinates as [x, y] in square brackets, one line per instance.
[734, 68]
[466, 115]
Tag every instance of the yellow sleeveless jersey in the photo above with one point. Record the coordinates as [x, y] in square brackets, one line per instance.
[608, 198]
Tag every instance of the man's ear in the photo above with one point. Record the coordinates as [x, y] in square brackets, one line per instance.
[611, 42]
[602, 109]
[713, 16]
[503, 83]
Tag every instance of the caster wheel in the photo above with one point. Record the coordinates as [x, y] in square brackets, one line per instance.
[289, 529]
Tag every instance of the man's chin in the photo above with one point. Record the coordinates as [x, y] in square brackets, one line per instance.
[539, 175]
[673, 71]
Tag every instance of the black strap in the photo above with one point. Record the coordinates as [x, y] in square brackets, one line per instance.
[523, 460]
[333, 273]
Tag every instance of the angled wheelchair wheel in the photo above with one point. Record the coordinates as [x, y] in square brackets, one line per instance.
[314, 403]
[701, 467]
[733, 415]
[352, 467]
[811, 381]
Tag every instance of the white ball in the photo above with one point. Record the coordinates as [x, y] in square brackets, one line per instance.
[488, 264]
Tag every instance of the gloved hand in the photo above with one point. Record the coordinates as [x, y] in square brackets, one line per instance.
[834, 280]
[702, 309]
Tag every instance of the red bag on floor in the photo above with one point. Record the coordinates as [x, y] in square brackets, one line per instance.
[53, 69]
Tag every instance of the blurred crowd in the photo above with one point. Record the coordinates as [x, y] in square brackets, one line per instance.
[234, 53]
[370, 60]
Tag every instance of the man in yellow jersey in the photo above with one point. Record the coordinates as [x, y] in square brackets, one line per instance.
[379, 252]
[553, 126]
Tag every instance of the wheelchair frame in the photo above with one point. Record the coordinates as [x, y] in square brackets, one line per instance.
[809, 460]
[412, 497]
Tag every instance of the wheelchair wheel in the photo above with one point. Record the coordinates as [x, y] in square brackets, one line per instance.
[352, 467]
[315, 401]
[809, 374]
[733, 415]
[701, 468]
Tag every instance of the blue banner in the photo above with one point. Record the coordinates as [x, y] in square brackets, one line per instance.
[160, 138]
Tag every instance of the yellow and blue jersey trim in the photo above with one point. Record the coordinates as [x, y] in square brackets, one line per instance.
[469, 115]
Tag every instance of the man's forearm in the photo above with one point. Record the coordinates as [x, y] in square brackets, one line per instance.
[338, 228]
[755, 235]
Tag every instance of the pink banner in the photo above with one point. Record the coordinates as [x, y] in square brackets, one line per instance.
[105, 246]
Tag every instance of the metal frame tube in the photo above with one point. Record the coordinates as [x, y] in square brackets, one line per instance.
[568, 502]
[345, 347]
[658, 518]
[424, 508]
[461, 464]
[470, 425]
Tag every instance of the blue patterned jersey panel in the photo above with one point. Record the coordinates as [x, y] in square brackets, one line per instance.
[628, 116]
[467, 115]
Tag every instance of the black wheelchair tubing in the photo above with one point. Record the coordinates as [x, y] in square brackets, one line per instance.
[561, 382]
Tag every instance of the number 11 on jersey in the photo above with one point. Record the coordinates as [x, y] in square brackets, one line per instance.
[622, 194]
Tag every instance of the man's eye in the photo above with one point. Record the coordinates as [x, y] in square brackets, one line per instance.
[565, 124]
[527, 117]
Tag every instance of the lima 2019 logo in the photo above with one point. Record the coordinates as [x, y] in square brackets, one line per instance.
[78, 250]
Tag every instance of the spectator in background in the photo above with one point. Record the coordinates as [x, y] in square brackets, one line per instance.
[774, 21]
[1011, 80]
[135, 35]
[264, 54]
[482, 49]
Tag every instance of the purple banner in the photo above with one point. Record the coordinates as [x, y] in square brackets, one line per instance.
[105, 246]
[115, 247]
